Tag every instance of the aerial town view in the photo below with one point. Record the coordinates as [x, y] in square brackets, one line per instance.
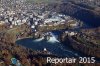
[49, 32]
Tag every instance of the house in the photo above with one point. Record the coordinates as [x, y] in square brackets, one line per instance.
[11, 26]
[13, 22]
[6, 21]
[36, 23]
[2, 22]
[74, 24]
[66, 32]
[31, 16]
[33, 26]
[10, 19]
[19, 22]
[41, 25]
[72, 33]
[24, 21]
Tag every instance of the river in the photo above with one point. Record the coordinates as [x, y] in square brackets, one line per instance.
[52, 45]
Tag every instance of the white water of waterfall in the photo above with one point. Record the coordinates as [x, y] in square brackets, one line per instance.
[53, 38]
[39, 39]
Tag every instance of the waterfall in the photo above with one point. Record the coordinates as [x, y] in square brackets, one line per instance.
[53, 38]
[39, 39]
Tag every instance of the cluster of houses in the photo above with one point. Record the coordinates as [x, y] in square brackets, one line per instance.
[16, 19]
[33, 16]
[71, 33]
[51, 19]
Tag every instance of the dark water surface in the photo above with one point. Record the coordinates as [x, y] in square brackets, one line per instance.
[54, 47]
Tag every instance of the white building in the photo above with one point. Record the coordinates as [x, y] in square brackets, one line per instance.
[6, 20]
[54, 19]
[31, 16]
[33, 26]
[19, 22]
[24, 21]
[66, 32]
[11, 26]
[10, 19]
[36, 23]
[72, 33]
[74, 24]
